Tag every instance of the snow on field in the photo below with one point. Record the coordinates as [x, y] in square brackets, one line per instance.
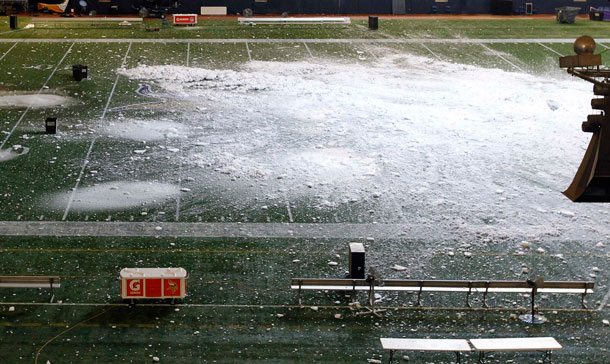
[144, 130]
[12, 153]
[117, 195]
[421, 140]
[34, 100]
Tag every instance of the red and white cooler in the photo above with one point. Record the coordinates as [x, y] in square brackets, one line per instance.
[185, 19]
[153, 282]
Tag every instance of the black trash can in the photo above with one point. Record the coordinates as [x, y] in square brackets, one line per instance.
[356, 260]
[596, 15]
[79, 72]
[13, 21]
[373, 22]
[51, 125]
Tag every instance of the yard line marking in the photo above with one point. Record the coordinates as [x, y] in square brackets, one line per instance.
[179, 192]
[86, 161]
[308, 50]
[5, 53]
[188, 53]
[115, 82]
[315, 40]
[289, 211]
[603, 45]
[604, 301]
[263, 306]
[38, 93]
[267, 230]
[431, 52]
[550, 49]
[502, 57]
[80, 176]
[248, 49]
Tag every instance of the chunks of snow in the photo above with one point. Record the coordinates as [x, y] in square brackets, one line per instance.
[399, 268]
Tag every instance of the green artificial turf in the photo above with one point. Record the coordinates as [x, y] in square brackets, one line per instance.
[239, 306]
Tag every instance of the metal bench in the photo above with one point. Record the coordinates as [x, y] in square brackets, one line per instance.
[468, 287]
[50, 282]
[292, 20]
[87, 20]
[439, 345]
[544, 344]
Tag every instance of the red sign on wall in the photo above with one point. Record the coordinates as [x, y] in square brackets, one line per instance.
[185, 19]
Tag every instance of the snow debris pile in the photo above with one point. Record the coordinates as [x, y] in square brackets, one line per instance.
[12, 153]
[34, 100]
[144, 130]
[420, 140]
[116, 195]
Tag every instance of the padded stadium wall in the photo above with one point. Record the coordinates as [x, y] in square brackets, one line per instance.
[504, 7]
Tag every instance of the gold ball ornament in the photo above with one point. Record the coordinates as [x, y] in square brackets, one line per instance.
[584, 45]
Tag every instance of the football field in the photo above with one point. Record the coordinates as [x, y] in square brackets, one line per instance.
[250, 155]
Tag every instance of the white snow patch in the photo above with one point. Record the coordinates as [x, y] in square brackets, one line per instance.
[12, 153]
[144, 130]
[34, 100]
[116, 195]
[450, 132]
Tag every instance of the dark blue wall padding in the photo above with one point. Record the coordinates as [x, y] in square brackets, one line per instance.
[340, 6]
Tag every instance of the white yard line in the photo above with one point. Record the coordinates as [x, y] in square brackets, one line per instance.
[115, 83]
[502, 57]
[290, 218]
[179, 192]
[86, 161]
[248, 49]
[550, 49]
[78, 179]
[188, 53]
[604, 301]
[432, 53]
[329, 40]
[603, 45]
[7, 52]
[39, 91]
[264, 306]
[308, 50]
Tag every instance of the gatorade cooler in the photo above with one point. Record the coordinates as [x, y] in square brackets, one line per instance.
[153, 283]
